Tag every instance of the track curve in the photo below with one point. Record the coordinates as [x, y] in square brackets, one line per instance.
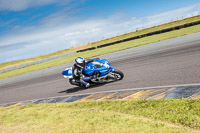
[145, 66]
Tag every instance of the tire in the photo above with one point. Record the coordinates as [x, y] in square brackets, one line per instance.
[118, 74]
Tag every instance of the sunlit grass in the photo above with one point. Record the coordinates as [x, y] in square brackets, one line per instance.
[108, 40]
[172, 115]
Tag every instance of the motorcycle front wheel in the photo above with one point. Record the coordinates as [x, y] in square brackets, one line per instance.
[118, 74]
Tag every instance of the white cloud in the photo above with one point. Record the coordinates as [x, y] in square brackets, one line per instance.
[19, 5]
[58, 35]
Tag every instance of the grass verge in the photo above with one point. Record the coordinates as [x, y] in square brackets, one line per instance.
[171, 115]
[108, 40]
[101, 51]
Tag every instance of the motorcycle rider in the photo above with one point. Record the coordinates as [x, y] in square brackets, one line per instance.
[77, 71]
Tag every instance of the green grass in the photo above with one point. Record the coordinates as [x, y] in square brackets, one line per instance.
[171, 115]
[101, 51]
[108, 40]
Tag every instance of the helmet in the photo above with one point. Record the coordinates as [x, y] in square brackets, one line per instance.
[80, 61]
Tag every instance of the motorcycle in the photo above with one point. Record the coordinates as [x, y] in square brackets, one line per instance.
[104, 69]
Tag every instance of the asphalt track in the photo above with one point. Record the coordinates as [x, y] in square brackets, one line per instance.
[171, 62]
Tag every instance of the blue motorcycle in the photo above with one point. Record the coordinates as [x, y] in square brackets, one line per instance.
[105, 73]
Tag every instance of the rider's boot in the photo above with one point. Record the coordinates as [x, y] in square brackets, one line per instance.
[85, 84]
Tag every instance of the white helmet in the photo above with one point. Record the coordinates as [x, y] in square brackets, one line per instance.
[80, 61]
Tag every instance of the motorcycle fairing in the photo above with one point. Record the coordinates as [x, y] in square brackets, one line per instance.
[102, 66]
[67, 73]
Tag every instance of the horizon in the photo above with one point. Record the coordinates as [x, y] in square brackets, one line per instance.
[26, 32]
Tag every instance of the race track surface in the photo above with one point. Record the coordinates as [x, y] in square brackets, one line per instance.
[170, 62]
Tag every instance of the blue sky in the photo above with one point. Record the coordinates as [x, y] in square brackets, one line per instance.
[34, 27]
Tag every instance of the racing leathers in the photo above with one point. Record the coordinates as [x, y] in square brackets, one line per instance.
[77, 72]
[78, 75]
